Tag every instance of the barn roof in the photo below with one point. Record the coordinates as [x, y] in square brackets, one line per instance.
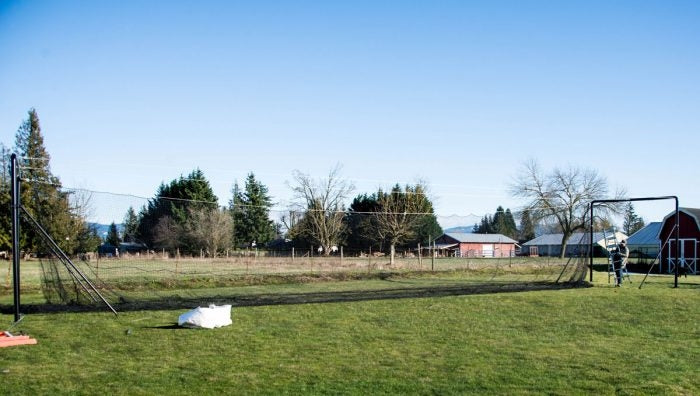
[577, 238]
[479, 238]
[648, 235]
[692, 212]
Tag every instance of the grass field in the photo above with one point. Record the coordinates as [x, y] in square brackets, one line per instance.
[597, 340]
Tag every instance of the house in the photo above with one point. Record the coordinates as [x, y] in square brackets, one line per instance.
[645, 243]
[109, 250]
[475, 245]
[578, 244]
[688, 235]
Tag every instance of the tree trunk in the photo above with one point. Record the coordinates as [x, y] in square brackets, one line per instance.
[564, 242]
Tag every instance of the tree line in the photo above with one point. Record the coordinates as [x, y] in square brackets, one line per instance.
[185, 215]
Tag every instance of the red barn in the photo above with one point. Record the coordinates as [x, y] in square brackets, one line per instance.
[689, 235]
[476, 245]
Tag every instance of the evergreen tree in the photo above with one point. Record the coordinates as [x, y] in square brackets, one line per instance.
[113, 235]
[527, 226]
[510, 229]
[171, 205]
[361, 228]
[363, 221]
[131, 225]
[502, 222]
[41, 192]
[251, 213]
[5, 201]
[485, 226]
[631, 222]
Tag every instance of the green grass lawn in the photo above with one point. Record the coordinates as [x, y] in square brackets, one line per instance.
[598, 340]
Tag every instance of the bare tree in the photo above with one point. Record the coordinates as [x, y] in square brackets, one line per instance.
[399, 212]
[323, 202]
[562, 195]
[166, 234]
[209, 228]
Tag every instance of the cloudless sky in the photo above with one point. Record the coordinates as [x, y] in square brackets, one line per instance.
[458, 93]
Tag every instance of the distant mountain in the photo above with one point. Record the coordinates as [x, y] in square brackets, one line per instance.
[456, 221]
[460, 230]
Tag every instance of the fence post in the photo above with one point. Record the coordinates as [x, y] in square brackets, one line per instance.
[420, 258]
[369, 260]
[432, 258]
[341, 256]
[292, 253]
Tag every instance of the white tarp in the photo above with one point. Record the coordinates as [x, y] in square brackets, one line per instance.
[206, 317]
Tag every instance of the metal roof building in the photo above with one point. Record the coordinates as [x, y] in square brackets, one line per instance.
[550, 244]
[646, 242]
[476, 245]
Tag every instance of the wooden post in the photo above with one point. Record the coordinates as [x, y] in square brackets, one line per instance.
[369, 260]
[341, 256]
[292, 253]
[420, 258]
[432, 260]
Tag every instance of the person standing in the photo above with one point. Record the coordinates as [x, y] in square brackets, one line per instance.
[620, 261]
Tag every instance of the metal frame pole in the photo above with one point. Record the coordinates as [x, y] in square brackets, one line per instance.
[678, 248]
[590, 248]
[15, 235]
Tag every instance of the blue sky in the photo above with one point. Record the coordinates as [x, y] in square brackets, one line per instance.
[455, 93]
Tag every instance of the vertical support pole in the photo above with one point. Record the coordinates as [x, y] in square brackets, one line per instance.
[590, 248]
[432, 260]
[15, 234]
[678, 246]
[341, 256]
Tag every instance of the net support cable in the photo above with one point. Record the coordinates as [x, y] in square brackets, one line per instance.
[72, 269]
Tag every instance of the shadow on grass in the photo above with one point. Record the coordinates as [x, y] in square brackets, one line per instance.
[173, 326]
[249, 300]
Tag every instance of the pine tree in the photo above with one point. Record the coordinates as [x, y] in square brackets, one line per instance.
[631, 222]
[5, 201]
[485, 226]
[251, 213]
[361, 227]
[131, 225]
[502, 222]
[527, 226]
[511, 229]
[113, 235]
[41, 192]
